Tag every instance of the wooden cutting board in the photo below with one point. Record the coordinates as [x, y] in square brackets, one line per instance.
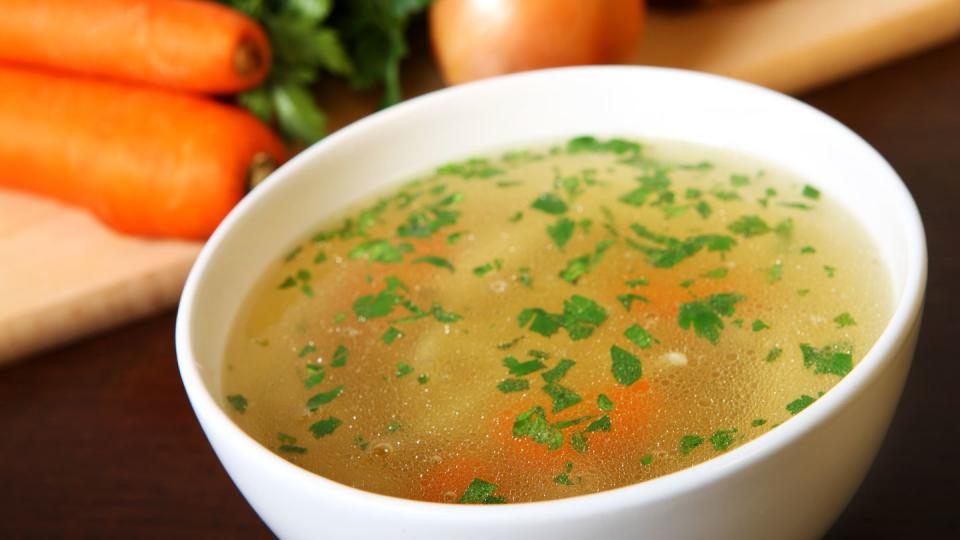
[63, 275]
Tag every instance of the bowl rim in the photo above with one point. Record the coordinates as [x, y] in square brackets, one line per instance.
[894, 336]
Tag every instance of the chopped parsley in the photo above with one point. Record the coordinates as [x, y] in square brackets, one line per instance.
[583, 264]
[481, 492]
[471, 168]
[320, 257]
[452, 238]
[833, 359]
[238, 402]
[488, 267]
[604, 403]
[533, 424]
[722, 439]
[403, 370]
[380, 251]
[689, 442]
[513, 385]
[757, 422]
[563, 478]
[580, 317]
[800, 404]
[716, 273]
[550, 203]
[423, 378]
[557, 372]
[309, 348]
[669, 251]
[435, 261]
[522, 368]
[393, 426]
[323, 398]
[315, 377]
[325, 427]
[516, 217]
[749, 226]
[562, 396]
[600, 424]
[844, 319]
[340, 356]
[561, 231]
[759, 325]
[626, 367]
[829, 270]
[705, 316]
[291, 449]
[647, 459]
[637, 282]
[775, 272]
[392, 334]
[811, 192]
[627, 299]
[640, 336]
[808, 249]
[382, 304]
[774, 353]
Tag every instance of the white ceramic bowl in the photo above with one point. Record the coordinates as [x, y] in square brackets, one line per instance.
[789, 483]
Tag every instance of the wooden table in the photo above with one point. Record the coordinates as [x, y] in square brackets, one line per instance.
[98, 440]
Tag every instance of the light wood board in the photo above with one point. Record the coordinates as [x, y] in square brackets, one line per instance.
[63, 275]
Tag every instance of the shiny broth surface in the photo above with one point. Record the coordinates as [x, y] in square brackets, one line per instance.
[554, 321]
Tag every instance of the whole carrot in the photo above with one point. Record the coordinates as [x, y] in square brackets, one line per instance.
[145, 161]
[183, 44]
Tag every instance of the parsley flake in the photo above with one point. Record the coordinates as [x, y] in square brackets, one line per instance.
[722, 439]
[481, 492]
[705, 317]
[640, 336]
[844, 319]
[800, 404]
[513, 385]
[833, 359]
[561, 231]
[626, 367]
[604, 403]
[435, 261]
[549, 203]
[689, 442]
[325, 427]
[238, 402]
[323, 398]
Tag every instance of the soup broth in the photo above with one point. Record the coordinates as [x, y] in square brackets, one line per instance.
[553, 322]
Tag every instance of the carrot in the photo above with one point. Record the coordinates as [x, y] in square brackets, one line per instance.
[182, 44]
[145, 161]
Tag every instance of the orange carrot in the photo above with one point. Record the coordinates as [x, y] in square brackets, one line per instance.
[182, 44]
[145, 161]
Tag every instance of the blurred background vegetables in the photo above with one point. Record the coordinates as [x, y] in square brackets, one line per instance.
[362, 41]
[473, 39]
[145, 161]
[181, 44]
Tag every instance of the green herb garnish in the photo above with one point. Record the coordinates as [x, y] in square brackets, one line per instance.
[705, 316]
[481, 492]
[833, 359]
[626, 367]
[325, 427]
[689, 442]
[513, 385]
[800, 404]
[238, 402]
[844, 319]
[722, 439]
[640, 337]
[323, 398]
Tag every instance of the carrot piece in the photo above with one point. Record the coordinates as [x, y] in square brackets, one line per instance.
[182, 44]
[144, 161]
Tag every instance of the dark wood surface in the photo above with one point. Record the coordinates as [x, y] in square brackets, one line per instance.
[98, 440]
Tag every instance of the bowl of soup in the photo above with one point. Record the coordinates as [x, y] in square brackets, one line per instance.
[618, 302]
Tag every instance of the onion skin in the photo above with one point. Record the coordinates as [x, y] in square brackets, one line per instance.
[474, 39]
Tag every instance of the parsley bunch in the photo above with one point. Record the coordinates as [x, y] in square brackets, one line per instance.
[362, 41]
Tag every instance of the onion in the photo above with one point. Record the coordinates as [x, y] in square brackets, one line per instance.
[473, 39]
